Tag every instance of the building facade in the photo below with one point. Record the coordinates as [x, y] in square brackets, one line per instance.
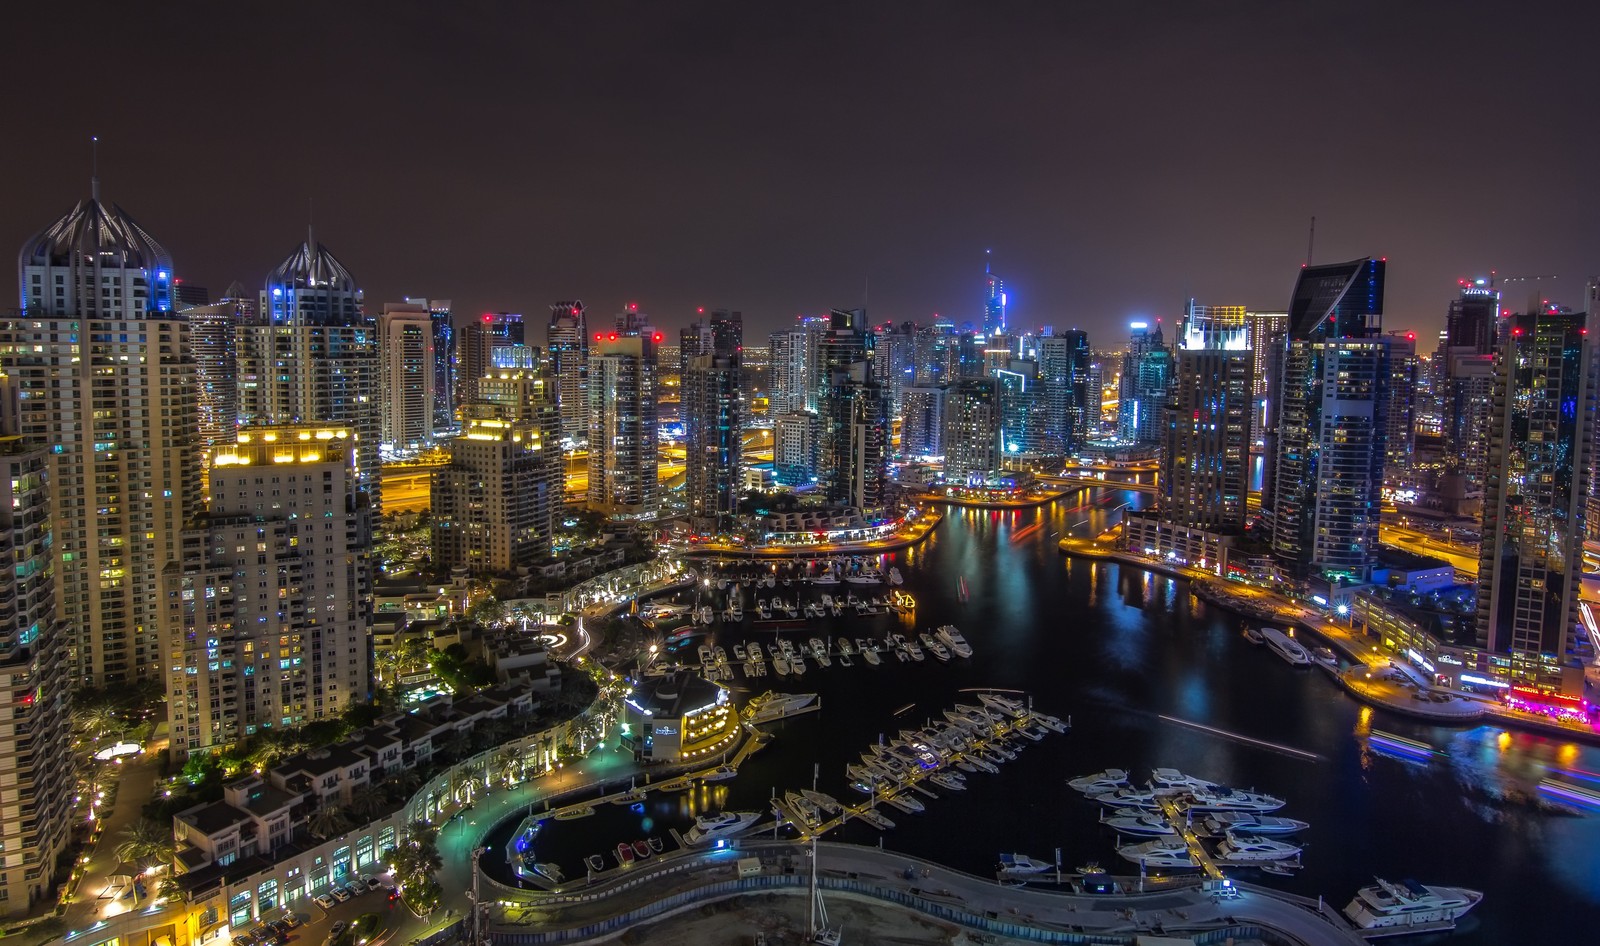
[794, 449]
[106, 381]
[971, 435]
[623, 452]
[407, 373]
[922, 421]
[713, 449]
[567, 344]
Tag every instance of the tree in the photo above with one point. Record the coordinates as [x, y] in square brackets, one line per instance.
[415, 860]
[328, 821]
[145, 843]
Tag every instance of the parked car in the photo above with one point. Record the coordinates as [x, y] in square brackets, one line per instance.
[372, 883]
[322, 900]
[340, 894]
[293, 921]
[338, 927]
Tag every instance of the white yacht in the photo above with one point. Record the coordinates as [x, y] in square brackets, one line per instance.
[845, 647]
[915, 651]
[1015, 709]
[952, 638]
[770, 705]
[1225, 821]
[1021, 865]
[939, 651]
[1143, 822]
[1129, 797]
[1220, 798]
[869, 653]
[708, 828]
[1174, 780]
[1286, 647]
[1159, 853]
[906, 803]
[1408, 903]
[797, 665]
[1246, 849]
[754, 650]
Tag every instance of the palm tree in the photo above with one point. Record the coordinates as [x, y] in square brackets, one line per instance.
[366, 806]
[145, 843]
[97, 719]
[328, 821]
[457, 744]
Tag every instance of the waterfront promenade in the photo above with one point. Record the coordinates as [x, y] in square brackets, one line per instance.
[1374, 678]
[910, 535]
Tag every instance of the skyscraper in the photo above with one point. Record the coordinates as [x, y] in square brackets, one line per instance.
[567, 342]
[407, 373]
[479, 338]
[994, 301]
[1205, 463]
[852, 412]
[311, 356]
[1146, 367]
[922, 422]
[1267, 332]
[972, 423]
[713, 454]
[1331, 422]
[445, 399]
[794, 448]
[107, 383]
[1071, 398]
[1473, 317]
[623, 455]
[213, 330]
[36, 760]
[270, 609]
[494, 504]
[1531, 564]
[793, 389]
[1400, 440]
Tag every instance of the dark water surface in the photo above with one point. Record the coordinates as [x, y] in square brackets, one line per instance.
[1117, 648]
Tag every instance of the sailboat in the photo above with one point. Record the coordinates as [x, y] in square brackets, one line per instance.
[821, 933]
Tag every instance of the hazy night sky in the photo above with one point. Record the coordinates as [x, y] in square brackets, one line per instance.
[1117, 157]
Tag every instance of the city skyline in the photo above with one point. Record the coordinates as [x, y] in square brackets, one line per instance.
[1094, 216]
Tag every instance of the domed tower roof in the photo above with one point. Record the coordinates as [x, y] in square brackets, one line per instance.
[309, 267]
[90, 233]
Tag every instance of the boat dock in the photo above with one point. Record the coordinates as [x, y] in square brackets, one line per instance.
[1180, 824]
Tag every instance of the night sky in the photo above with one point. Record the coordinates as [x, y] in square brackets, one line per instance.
[780, 158]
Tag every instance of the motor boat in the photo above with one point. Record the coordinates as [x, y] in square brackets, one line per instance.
[550, 872]
[1129, 797]
[872, 817]
[1004, 705]
[1247, 849]
[1169, 852]
[624, 853]
[1173, 780]
[1286, 647]
[937, 649]
[797, 665]
[755, 652]
[1408, 903]
[952, 639]
[1137, 821]
[845, 647]
[641, 849]
[894, 576]
[915, 652]
[870, 654]
[739, 652]
[1222, 798]
[770, 705]
[708, 828]
[1050, 722]
[906, 804]
[1021, 865]
[1224, 821]
[827, 803]
[947, 780]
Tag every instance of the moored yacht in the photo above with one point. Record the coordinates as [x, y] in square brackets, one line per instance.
[708, 828]
[1129, 797]
[1408, 903]
[1004, 704]
[1159, 853]
[1174, 780]
[934, 647]
[770, 705]
[1140, 822]
[1246, 849]
[1021, 865]
[1286, 647]
[1222, 798]
[1224, 821]
[952, 638]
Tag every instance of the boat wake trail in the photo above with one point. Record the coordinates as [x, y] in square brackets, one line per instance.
[1237, 737]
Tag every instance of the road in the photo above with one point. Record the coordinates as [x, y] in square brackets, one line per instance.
[1464, 558]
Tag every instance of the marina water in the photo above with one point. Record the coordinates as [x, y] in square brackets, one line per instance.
[1118, 648]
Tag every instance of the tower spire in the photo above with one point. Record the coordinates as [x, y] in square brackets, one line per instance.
[94, 168]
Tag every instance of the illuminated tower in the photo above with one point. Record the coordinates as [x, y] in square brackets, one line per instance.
[567, 342]
[1541, 438]
[407, 373]
[623, 454]
[994, 301]
[971, 437]
[107, 381]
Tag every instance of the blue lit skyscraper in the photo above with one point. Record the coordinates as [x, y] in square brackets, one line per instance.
[994, 301]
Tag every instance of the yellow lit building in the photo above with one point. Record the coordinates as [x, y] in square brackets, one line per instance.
[681, 717]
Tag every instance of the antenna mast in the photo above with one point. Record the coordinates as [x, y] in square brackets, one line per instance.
[1311, 241]
[94, 167]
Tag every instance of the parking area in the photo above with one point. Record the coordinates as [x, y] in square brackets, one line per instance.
[326, 919]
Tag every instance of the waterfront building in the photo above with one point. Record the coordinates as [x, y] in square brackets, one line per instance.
[1023, 411]
[922, 422]
[1142, 392]
[713, 452]
[1331, 423]
[495, 502]
[311, 356]
[853, 435]
[1205, 463]
[407, 372]
[794, 448]
[213, 331]
[972, 429]
[270, 608]
[567, 345]
[106, 375]
[479, 338]
[623, 453]
[37, 787]
[1540, 442]
[679, 718]
[1066, 389]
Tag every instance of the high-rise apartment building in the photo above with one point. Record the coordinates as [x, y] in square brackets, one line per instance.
[107, 385]
[791, 357]
[407, 373]
[567, 344]
[270, 608]
[1331, 423]
[852, 411]
[1400, 440]
[794, 448]
[494, 504]
[894, 361]
[1473, 318]
[478, 340]
[1267, 333]
[311, 356]
[213, 332]
[1146, 368]
[922, 422]
[623, 454]
[445, 400]
[1531, 564]
[1064, 360]
[972, 427]
[37, 787]
[995, 302]
[713, 454]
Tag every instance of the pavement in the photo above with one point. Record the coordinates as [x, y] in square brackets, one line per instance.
[97, 898]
